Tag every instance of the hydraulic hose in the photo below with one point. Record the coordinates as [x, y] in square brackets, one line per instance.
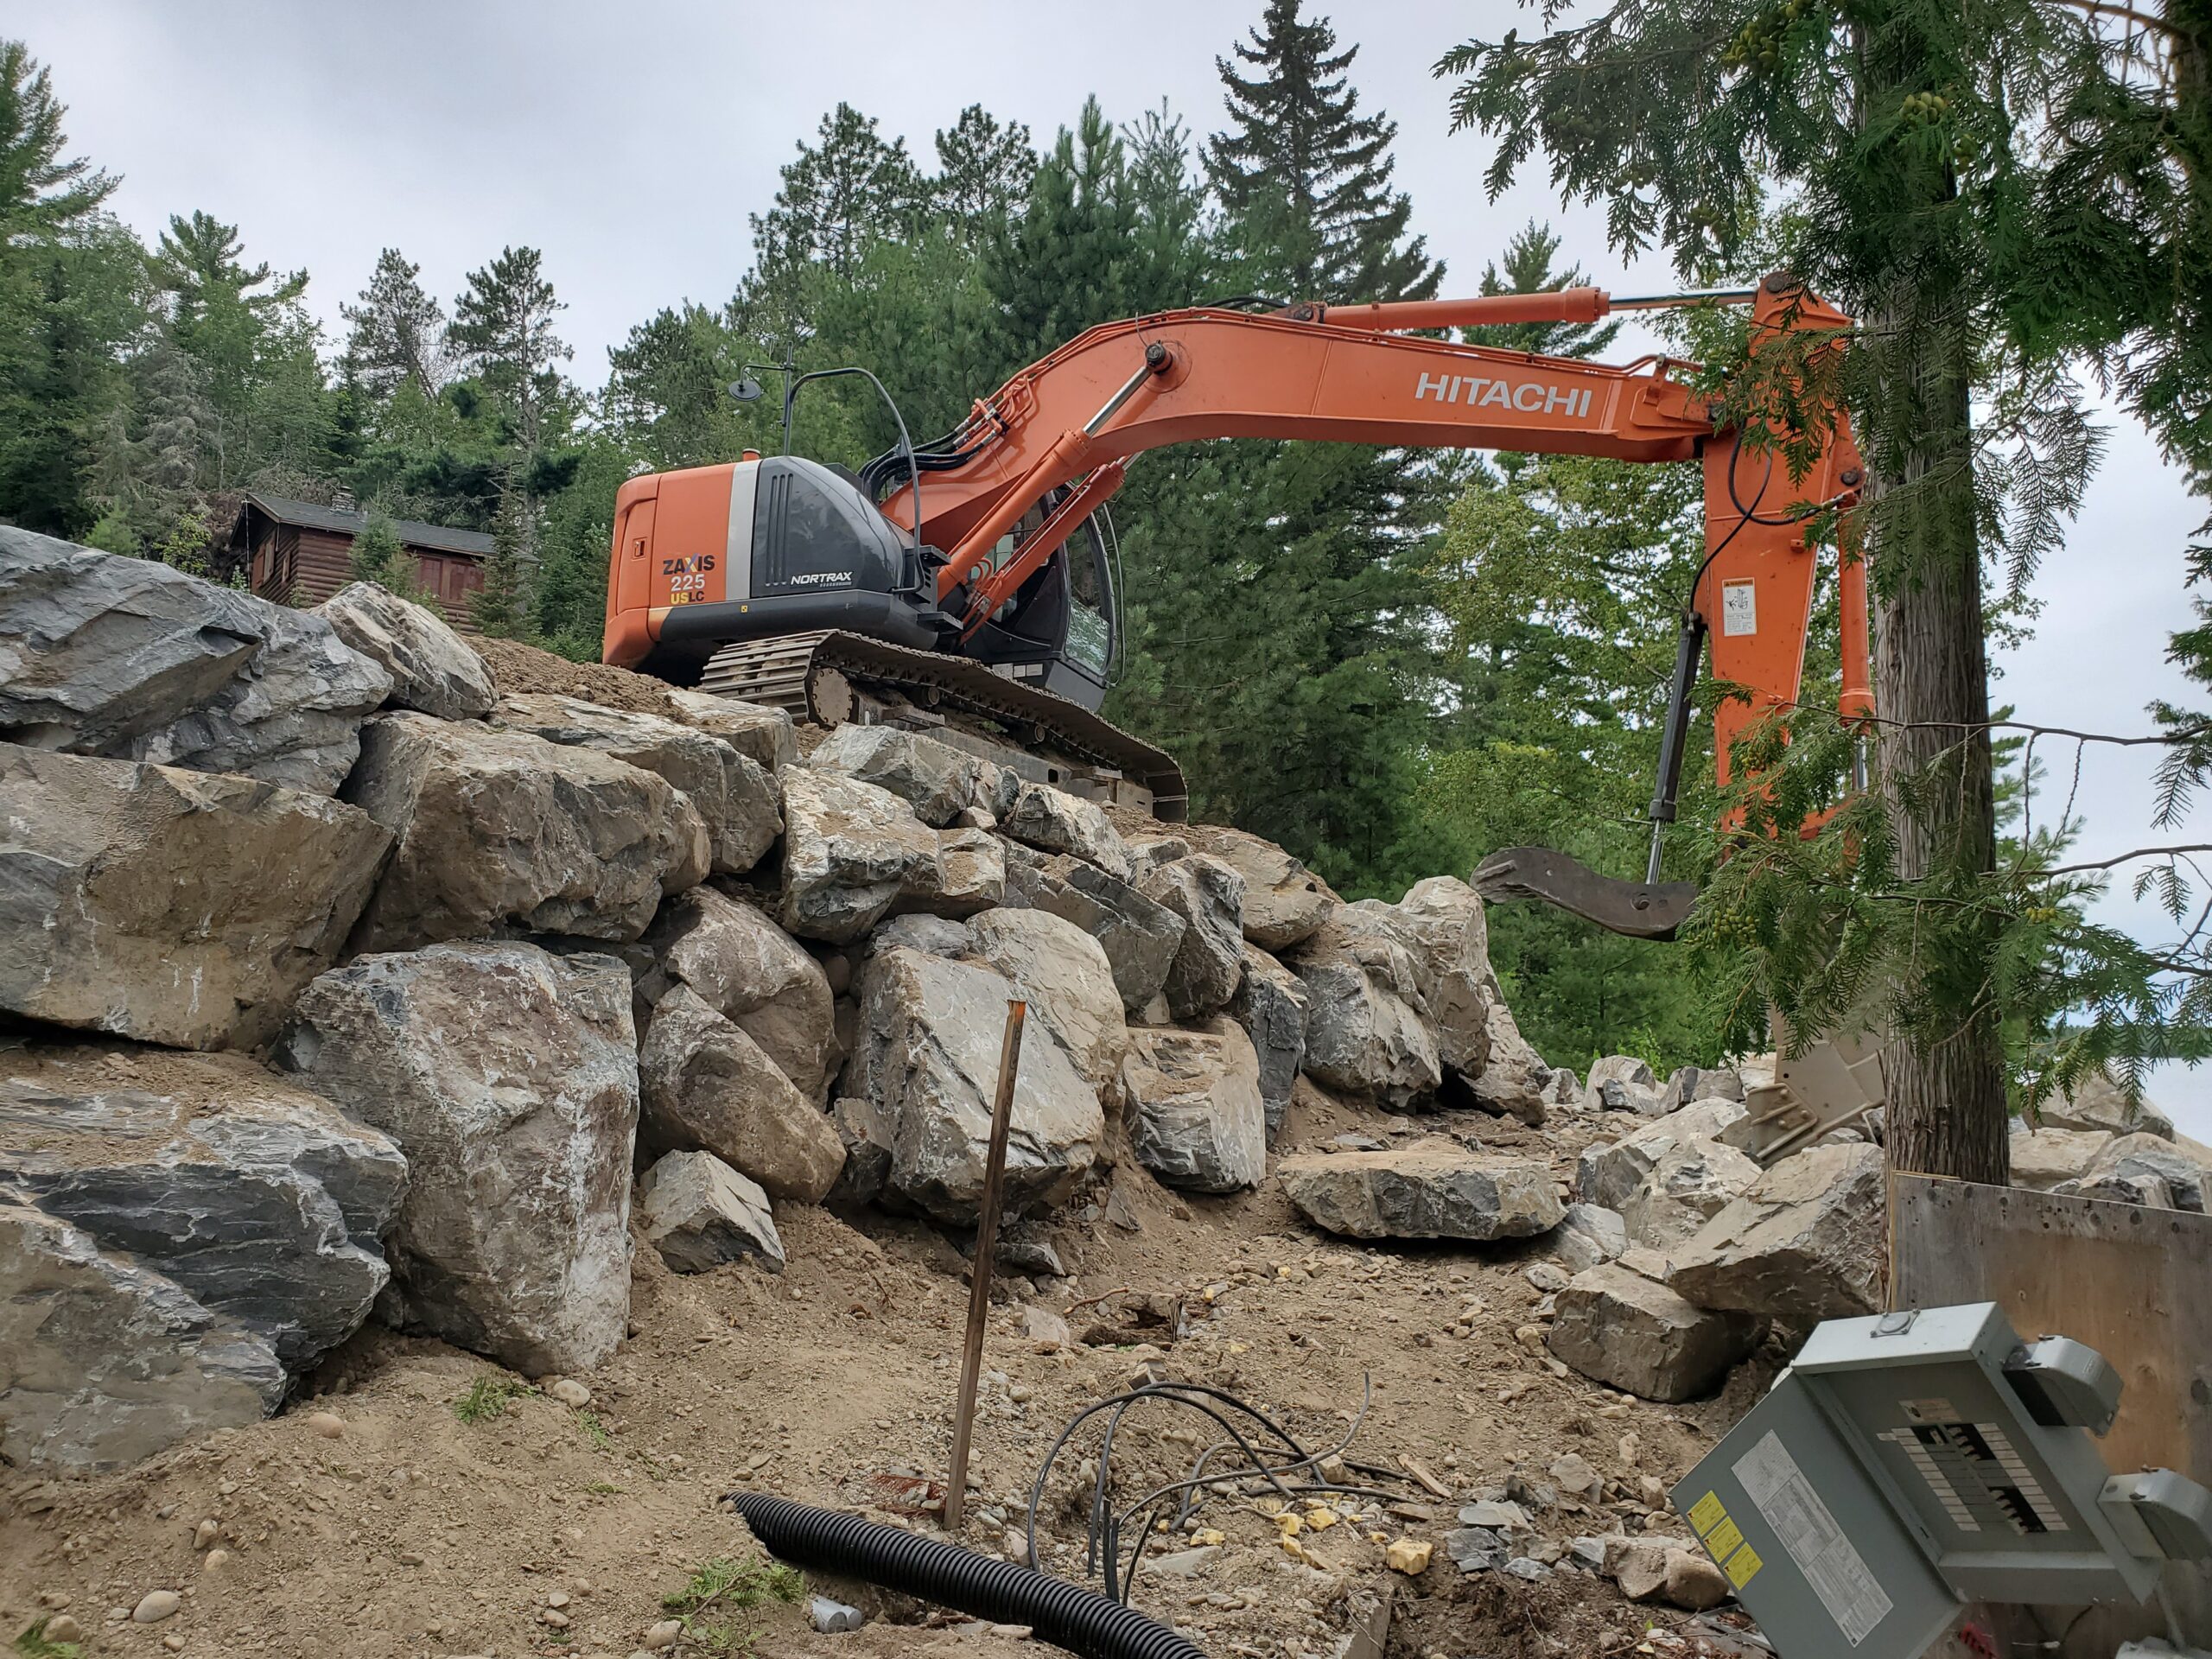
[1067, 1615]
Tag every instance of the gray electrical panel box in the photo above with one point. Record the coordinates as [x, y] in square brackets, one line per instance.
[1906, 1463]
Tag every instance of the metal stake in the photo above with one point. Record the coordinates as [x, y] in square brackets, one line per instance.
[987, 1246]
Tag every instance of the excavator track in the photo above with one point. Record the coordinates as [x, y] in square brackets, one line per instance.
[822, 676]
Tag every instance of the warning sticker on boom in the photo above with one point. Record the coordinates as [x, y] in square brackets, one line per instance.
[1740, 608]
[1779, 1491]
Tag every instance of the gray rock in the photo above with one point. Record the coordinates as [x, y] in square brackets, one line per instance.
[1693, 1182]
[1624, 1068]
[933, 936]
[967, 875]
[166, 904]
[698, 1213]
[1200, 1123]
[1440, 921]
[1621, 1083]
[259, 1199]
[1587, 1234]
[1608, 1172]
[1808, 1242]
[2181, 1163]
[1140, 936]
[705, 1085]
[1210, 958]
[129, 658]
[500, 830]
[107, 1361]
[2148, 1190]
[1689, 1083]
[509, 1077]
[1365, 1032]
[2041, 1159]
[1516, 1081]
[1477, 1549]
[433, 669]
[1285, 903]
[754, 975]
[1429, 1190]
[1494, 1514]
[1526, 1566]
[1053, 820]
[928, 1059]
[850, 852]
[1620, 1329]
[1270, 1004]
[1063, 973]
[733, 794]
[1148, 853]
[1694, 1583]
[864, 1130]
[935, 778]
[2099, 1103]
[755, 730]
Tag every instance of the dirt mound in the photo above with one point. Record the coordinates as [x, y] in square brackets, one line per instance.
[519, 671]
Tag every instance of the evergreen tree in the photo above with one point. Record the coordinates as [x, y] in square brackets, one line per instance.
[501, 606]
[847, 189]
[983, 172]
[397, 336]
[1304, 179]
[504, 332]
[378, 557]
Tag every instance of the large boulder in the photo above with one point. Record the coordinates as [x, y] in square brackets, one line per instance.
[1285, 903]
[1053, 820]
[1210, 958]
[129, 658]
[2041, 1159]
[1608, 1172]
[704, 1085]
[1440, 922]
[1140, 936]
[2183, 1165]
[169, 906]
[1063, 973]
[764, 735]
[1687, 1084]
[851, 850]
[500, 830]
[1587, 1234]
[1427, 1190]
[735, 796]
[260, 1200]
[1622, 1083]
[1619, 1328]
[754, 975]
[1694, 1181]
[433, 669]
[1365, 1032]
[935, 778]
[1516, 1080]
[1270, 1004]
[509, 1077]
[1808, 1242]
[698, 1213]
[105, 1361]
[967, 875]
[1200, 1123]
[927, 1057]
[2097, 1102]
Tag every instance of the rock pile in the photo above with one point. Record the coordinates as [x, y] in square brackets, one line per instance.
[363, 983]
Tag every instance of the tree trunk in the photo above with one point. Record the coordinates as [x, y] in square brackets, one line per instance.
[1947, 1113]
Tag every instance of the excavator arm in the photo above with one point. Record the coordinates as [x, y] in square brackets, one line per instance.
[1345, 373]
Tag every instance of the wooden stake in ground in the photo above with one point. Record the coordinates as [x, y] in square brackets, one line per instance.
[987, 1246]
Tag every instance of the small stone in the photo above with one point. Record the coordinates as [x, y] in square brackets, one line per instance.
[1526, 1566]
[206, 1534]
[1651, 1491]
[1408, 1556]
[570, 1393]
[559, 1621]
[556, 1599]
[172, 1642]
[1639, 1566]
[666, 1634]
[329, 1424]
[62, 1628]
[215, 1560]
[154, 1607]
[1576, 1478]
[1694, 1583]
[1493, 1516]
[1546, 1277]
[408, 1558]
[1182, 1563]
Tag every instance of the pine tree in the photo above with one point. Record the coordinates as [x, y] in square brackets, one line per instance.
[984, 169]
[398, 330]
[504, 331]
[41, 194]
[841, 193]
[501, 606]
[378, 557]
[1305, 178]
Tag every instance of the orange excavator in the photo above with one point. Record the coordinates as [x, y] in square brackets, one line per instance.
[976, 573]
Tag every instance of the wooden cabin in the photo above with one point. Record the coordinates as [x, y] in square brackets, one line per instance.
[300, 553]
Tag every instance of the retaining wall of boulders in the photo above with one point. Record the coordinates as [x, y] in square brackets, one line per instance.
[343, 985]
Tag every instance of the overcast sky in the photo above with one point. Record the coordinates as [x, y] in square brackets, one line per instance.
[630, 144]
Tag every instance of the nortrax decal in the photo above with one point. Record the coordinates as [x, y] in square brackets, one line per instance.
[1530, 396]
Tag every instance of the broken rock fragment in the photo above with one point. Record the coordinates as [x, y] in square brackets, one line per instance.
[1618, 1328]
[698, 1213]
[1200, 1123]
[935, 778]
[1806, 1242]
[1063, 973]
[753, 728]
[1285, 903]
[1365, 1034]
[1428, 1190]
[433, 669]
[1270, 1004]
[850, 851]
[1693, 1181]
[1209, 960]
[754, 975]
[1441, 921]
[1140, 936]
[707, 1086]
[1053, 820]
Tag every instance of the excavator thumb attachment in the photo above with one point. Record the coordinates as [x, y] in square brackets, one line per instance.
[1639, 910]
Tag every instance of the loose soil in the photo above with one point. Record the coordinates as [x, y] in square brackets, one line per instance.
[410, 1532]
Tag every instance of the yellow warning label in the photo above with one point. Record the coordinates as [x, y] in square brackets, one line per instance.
[1707, 1514]
[1723, 1539]
[1742, 1565]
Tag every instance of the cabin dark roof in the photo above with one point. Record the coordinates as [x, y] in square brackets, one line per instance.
[305, 515]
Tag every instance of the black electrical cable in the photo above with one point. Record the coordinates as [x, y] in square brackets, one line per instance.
[1067, 1615]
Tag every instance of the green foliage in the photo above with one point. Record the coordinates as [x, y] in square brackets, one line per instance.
[724, 1587]
[35, 1643]
[487, 1397]
[594, 1431]
[501, 606]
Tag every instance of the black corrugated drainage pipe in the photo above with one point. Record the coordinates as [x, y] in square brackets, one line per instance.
[1067, 1615]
